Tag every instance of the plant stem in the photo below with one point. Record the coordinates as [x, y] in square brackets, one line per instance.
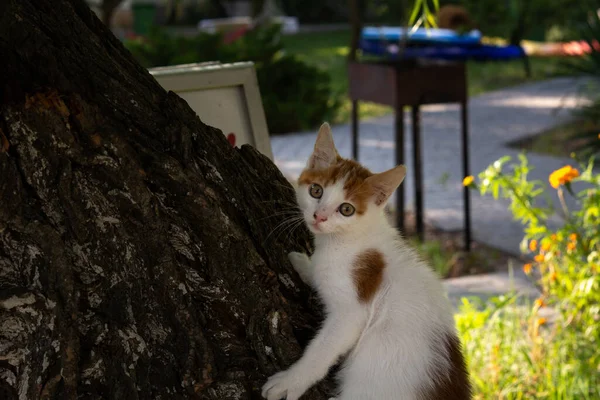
[521, 200]
[561, 197]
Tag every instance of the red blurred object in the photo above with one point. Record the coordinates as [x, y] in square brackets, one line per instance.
[574, 48]
[579, 48]
[132, 36]
[231, 138]
[235, 34]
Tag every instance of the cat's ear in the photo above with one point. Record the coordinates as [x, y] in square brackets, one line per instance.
[385, 183]
[324, 153]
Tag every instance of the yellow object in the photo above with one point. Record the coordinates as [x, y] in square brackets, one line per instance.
[545, 246]
[562, 176]
[533, 245]
[539, 303]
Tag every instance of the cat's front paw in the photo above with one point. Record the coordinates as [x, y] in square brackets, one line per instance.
[284, 385]
[302, 265]
[299, 260]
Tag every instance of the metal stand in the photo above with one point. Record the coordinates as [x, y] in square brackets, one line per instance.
[412, 84]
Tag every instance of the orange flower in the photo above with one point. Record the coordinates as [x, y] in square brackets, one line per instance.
[539, 258]
[541, 321]
[539, 303]
[562, 176]
[553, 237]
[553, 276]
[468, 180]
[571, 246]
[527, 268]
[545, 246]
[533, 245]
[573, 237]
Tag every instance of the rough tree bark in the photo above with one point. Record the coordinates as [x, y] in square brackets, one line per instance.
[138, 257]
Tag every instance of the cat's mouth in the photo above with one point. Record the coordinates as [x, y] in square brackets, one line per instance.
[316, 227]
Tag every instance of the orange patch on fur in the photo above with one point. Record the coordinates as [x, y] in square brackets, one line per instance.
[454, 383]
[357, 192]
[368, 273]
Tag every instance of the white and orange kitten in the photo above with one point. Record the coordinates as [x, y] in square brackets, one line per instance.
[386, 310]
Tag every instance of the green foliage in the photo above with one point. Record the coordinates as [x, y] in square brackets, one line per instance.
[514, 352]
[433, 251]
[295, 95]
[424, 13]
[502, 18]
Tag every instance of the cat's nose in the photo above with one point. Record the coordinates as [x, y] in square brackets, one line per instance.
[319, 217]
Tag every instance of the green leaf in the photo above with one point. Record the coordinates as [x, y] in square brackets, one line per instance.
[415, 12]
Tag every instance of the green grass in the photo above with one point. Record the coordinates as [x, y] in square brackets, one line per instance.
[433, 252]
[512, 356]
[328, 50]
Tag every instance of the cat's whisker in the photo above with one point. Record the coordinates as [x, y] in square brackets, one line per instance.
[289, 227]
[287, 203]
[285, 229]
[284, 186]
[298, 224]
[280, 214]
[282, 225]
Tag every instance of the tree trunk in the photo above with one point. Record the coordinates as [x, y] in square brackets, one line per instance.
[141, 256]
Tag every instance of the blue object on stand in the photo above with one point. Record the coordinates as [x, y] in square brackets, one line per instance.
[442, 44]
[421, 35]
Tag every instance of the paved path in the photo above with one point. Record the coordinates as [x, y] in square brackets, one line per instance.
[495, 119]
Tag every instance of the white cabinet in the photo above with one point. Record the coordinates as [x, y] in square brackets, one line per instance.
[225, 96]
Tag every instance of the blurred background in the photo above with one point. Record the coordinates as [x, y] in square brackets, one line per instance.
[302, 45]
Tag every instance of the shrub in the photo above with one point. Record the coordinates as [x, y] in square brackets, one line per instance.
[513, 351]
[295, 95]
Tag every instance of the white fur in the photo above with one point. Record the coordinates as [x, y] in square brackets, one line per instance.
[395, 342]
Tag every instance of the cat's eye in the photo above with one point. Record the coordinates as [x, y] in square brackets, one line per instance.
[316, 191]
[347, 209]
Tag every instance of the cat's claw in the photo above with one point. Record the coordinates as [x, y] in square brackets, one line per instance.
[283, 385]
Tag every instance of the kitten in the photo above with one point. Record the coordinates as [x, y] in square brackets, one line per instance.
[385, 309]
